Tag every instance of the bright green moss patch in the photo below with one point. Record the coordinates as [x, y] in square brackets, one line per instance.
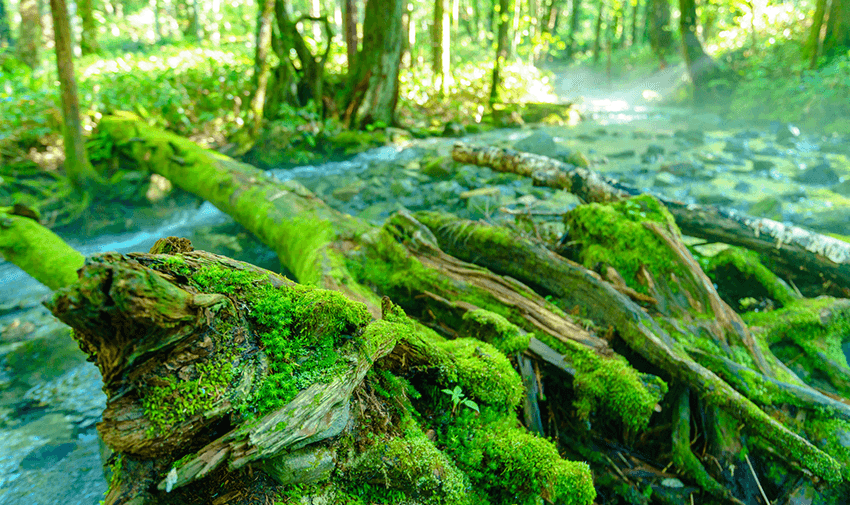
[300, 328]
[410, 465]
[513, 466]
[610, 386]
[739, 274]
[495, 329]
[483, 372]
[808, 335]
[833, 437]
[613, 234]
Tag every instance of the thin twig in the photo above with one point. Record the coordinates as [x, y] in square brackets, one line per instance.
[763, 495]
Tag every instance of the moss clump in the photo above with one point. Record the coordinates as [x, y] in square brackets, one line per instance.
[614, 234]
[412, 466]
[610, 385]
[483, 372]
[299, 329]
[739, 275]
[831, 435]
[495, 329]
[511, 465]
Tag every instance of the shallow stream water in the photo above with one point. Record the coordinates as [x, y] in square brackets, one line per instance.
[50, 398]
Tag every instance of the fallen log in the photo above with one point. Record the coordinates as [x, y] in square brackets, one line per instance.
[607, 333]
[805, 257]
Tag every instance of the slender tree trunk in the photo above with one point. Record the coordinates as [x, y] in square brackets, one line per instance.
[633, 39]
[441, 44]
[373, 88]
[501, 49]
[88, 36]
[659, 34]
[575, 17]
[701, 67]
[812, 48]
[517, 35]
[597, 34]
[455, 15]
[5, 33]
[29, 34]
[837, 37]
[350, 28]
[195, 21]
[77, 164]
[262, 66]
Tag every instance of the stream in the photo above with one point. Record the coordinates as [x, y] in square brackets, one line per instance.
[50, 397]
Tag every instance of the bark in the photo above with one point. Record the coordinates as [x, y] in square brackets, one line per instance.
[77, 164]
[88, 36]
[502, 49]
[837, 38]
[597, 32]
[813, 44]
[815, 262]
[29, 35]
[262, 65]
[311, 82]
[5, 31]
[660, 39]
[26, 243]
[441, 44]
[471, 279]
[575, 18]
[701, 67]
[372, 92]
[633, 39]
[350, 27]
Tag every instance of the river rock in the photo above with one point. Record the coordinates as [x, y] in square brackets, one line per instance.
[540, 143]
[822, 173]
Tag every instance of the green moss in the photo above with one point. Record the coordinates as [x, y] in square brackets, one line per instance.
[831, 435]
[739, 274]
[610, 385]
[513, 466]
[412, 466]
[483, 372]
[801, 325]
[613, 234]
[495, 329]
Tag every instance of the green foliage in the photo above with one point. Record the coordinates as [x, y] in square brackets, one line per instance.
[458, 398]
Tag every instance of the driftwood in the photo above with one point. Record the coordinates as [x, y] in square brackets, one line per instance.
[620, 357]
[804, 257]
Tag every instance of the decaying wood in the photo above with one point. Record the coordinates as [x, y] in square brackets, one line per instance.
[805, 257]
[444, 271]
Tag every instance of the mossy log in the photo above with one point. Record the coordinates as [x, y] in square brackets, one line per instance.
[27, 244]
[608, 332]
[815, 262]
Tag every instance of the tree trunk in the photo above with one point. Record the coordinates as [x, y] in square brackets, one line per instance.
[464, 279]
[813, 44]
[5, 32]
[633, 40]
[262, 65]
[575, 19]
[837, 38]
[77, 165]
[701, 67]
[88, 36]
[373, 88]
[597, 32]
[502, 48]
[660, 39]
[350, 27]
[441, 44]
[29, 36]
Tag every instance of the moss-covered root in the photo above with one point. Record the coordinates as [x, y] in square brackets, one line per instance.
[683, 457]
[513, 466]
[412, 466]
[808, 336]
[37, 250]
[743, 280]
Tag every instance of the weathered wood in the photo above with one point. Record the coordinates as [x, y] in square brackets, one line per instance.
[807, 257]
